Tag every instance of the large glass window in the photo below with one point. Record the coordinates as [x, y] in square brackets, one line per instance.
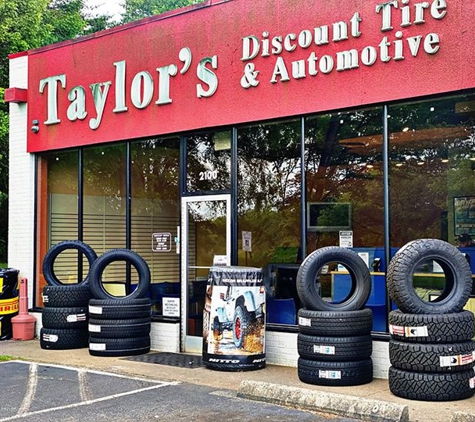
[104, 207]
[269, 210]
[344, 198]
[57, 214]
[156, 214]
[432, 179]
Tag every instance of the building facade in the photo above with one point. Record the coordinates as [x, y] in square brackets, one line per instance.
[247, 133]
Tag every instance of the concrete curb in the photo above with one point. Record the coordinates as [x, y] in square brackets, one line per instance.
[463, 417]
[322, 401]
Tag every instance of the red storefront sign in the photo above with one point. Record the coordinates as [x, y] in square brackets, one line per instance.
[236, 61]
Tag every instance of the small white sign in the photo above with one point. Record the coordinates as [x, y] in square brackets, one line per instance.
[365, 257]
[247, 241]
[220, 260]
[346, 239]
[171, 306]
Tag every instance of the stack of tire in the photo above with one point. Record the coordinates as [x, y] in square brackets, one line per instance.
[334, 339]
[65, 312]
[431, 349]
[119, 326]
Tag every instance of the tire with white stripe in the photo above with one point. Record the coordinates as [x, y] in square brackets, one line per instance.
[335, 373]
[65, 317]
[121, 328]
[432, 328]
[119, 346]
[431, 386]
[453, 357]
[334, 349]
[67, 295]
[335, 324]
[120, 309]
[54, 339]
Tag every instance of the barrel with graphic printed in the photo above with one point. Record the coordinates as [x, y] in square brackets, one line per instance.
[9, 301]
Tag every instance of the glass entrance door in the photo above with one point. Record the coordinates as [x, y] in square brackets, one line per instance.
[206, 241]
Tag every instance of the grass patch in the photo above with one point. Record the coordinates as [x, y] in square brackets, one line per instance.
[5, 358]
[3, 265]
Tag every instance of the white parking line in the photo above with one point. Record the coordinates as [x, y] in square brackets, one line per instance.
[33, 381]
[30, 389]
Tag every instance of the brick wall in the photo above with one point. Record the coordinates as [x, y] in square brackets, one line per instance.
[21, 182]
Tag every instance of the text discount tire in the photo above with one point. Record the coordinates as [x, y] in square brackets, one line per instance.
[458, 277]
[308, 283]
[98, 267]
[334, 349]
[435, 328]
[337, 324]
[335, 373]
[431, 386]
[52, 254]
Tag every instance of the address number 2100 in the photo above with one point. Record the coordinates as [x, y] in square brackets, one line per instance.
[209, 175]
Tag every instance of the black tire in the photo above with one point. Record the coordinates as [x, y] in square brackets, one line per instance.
[121, 328]
[127, 309]
[436, 328]
[335, 324]
[334, 349]
[98, 267]
[66, 296]
[307, 276]
[453, 357]
[54, 339]
[431, 386]
[335, 373]
[458, 277]
[52, 254]
[119, 346]
[64, 318]
[240, 326]
[120, 309]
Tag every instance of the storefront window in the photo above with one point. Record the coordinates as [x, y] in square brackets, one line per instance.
[208, 162]
[432, 179]
[104, 225]
[344, 197]
[156, 213]
[57, 214]
[269, 180]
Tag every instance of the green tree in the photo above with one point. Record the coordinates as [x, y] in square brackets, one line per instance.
[24, 25]
[138, 9]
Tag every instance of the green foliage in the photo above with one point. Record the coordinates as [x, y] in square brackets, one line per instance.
[138, 9]
[24, 25]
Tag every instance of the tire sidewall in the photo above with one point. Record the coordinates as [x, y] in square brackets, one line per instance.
[403, 266]
[98, 267]
[310, 268]
[56, 250]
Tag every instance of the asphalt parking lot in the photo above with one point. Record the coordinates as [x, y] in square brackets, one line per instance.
[39, 393]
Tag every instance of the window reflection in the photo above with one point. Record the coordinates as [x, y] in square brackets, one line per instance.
[343, 170]
[432, 146]
[155, 213]
[209, 162]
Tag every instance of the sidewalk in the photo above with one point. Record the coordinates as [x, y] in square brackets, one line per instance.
[272, 384]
